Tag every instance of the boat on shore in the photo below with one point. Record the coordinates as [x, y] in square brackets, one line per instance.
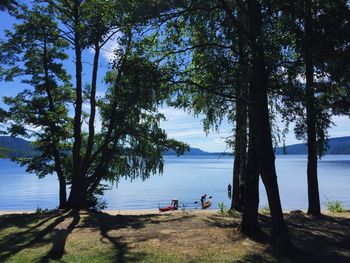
[206, 205]
[167, 208]
[173, 206]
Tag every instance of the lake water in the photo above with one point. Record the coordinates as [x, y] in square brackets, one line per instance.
[185, 178]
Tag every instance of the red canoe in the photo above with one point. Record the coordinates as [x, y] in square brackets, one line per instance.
[167, 208]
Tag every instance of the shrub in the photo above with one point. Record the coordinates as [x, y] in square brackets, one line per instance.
[222, 208]
[265, 209]
[40, 210]
[334, 206]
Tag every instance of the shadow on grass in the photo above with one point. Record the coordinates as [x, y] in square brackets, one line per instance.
[321, 239]
[325, 239]
[60, 237]
[15, 242]
[52, 228]
[23, 220]
[255, 258]
[108, 225]
[222, 222]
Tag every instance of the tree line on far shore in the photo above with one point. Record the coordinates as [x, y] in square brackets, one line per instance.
[253, 63]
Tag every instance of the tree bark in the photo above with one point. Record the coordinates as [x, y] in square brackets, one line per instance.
[236, 202]
[62, 192]
[77, 198]
[261, 125]
[240, 161]
[90, 142]
[53, 128]
[313, 191]
[249, 224]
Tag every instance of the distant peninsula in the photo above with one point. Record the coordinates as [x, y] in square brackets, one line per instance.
[18, 147]
[15, 147]
[338, 145]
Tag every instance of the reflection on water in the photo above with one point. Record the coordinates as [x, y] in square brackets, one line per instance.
[185, 178]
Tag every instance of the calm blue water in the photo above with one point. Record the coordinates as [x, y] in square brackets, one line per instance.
[185, 178]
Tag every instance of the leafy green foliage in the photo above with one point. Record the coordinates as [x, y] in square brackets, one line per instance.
[334, 206]
[222, 208]
[131, 142]
[265, 209]
[131, 120]
[3, 152]
[39, 210]
[327, 38]
[40, 112]
[8, 4]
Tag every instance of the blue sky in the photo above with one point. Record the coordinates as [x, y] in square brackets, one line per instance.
[179, 124]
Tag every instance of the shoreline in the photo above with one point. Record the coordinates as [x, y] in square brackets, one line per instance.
[156, 212]
[119, 212]
[177, 236]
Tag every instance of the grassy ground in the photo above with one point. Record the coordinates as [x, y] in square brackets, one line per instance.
[171, 237]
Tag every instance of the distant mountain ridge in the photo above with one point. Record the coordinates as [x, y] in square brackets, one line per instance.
[196, 151]
[192, 151]
[338, 145]
[17, 147]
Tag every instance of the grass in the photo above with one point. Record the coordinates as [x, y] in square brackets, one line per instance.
[171, 237]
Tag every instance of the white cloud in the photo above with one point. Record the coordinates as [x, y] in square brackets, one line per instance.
[220, 140]
[185, 127]
[341, 128]
[301, 79]
[108, 49]
[86, 106]
[97, 122]
[185, 133]
[100, 94]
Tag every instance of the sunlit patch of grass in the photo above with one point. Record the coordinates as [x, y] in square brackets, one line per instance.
[265, 210]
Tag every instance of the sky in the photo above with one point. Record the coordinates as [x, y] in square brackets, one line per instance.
[179, 124]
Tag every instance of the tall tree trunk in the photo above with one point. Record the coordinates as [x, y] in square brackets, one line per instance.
[313, 192]
[236, 202]
[90, 141]
[249, 224]
[54, 130]
[240, 161]
[261, 125]
[62, 192]
[77, 198]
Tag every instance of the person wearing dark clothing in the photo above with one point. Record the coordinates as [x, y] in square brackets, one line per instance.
[203, 197]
